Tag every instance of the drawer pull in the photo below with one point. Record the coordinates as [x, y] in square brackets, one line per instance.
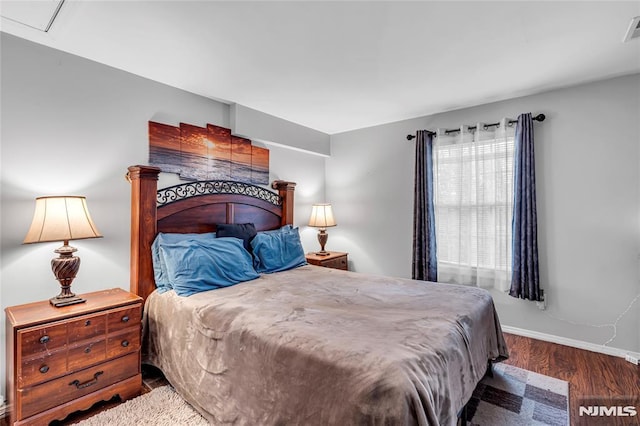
[125, 343]
[44, 339]
[125, 318]
[87, 323]
[44, 369]
[88, 383]
[87, 349]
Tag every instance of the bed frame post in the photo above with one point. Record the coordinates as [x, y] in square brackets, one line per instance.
[285, 190]
[144, 184]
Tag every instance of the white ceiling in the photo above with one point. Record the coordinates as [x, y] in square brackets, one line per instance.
[337, 65]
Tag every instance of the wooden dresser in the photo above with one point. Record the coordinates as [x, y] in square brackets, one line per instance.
[60, 360]
[335, 260]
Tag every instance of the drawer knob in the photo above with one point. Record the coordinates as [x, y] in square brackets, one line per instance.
[44, 369]
[125, 318]
[125, 343]
[88, 383]
[44, 339]
[87, 323]
[87, 349]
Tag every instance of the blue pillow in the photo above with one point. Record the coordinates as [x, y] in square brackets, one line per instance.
[194, 265]
[277, 251]
[159, 269]
[282, 230]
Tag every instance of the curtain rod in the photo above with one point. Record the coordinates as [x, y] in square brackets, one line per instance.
[539, 117]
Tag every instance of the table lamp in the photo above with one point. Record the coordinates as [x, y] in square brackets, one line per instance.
[62, 218]
[322, 217]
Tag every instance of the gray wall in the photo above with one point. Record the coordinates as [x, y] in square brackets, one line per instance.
[588, 176]
[72, 126]
[261, 126]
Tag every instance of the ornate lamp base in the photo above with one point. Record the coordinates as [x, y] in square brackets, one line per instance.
[65, 267]
[322, 239]
[62, 301]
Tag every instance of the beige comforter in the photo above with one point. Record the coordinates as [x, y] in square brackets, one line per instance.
[321, 346]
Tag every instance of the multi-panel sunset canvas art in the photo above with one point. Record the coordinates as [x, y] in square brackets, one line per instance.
[207, 153]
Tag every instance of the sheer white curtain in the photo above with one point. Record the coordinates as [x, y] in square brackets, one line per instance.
[473, 174]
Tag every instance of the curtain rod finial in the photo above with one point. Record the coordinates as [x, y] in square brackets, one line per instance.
[540, 117]
[410, 137]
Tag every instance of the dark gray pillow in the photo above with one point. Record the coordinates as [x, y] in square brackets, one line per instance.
[244, 231]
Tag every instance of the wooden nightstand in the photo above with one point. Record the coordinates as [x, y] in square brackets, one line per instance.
[60, 360]
[334, 259]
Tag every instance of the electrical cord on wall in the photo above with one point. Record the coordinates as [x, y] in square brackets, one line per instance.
[614, 325]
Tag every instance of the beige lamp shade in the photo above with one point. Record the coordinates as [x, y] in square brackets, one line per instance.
[61, 219]
[322, 216]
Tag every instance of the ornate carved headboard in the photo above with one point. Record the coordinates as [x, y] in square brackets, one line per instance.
[195, 207]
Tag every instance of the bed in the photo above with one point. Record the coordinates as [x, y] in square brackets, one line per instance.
[307, 345]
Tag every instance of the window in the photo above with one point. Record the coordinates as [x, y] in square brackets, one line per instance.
[473, 174]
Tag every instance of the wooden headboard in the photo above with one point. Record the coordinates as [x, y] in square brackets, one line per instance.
[195, 207]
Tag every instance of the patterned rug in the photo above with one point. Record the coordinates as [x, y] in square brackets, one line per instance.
[514, 396]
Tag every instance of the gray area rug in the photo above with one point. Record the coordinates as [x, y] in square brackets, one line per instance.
[513, 396]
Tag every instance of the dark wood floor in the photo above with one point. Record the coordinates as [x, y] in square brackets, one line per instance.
[593, 377]
[589, 374]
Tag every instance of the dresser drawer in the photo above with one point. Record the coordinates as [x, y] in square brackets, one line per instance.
[87, 327]
[334, 260]
[42, 339]
[86, 354]
[43, 367]
[339, 263]
[123, 318]
[56, 392]
[122, 343]
[57, 357]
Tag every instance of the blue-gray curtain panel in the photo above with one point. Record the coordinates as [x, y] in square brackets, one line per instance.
[525, 279]
[425, 262]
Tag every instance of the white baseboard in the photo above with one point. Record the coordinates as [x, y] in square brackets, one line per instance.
[580, 344]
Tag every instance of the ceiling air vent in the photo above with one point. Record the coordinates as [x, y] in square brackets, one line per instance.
[634, 29]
